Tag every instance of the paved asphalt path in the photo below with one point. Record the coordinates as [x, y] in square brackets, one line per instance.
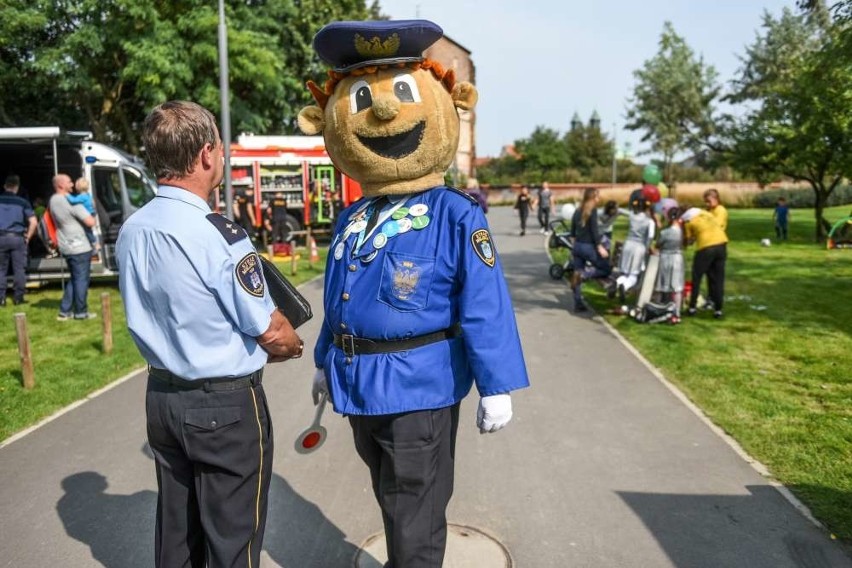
[601, 467]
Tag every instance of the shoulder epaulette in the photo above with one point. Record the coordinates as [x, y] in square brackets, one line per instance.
[464, 194]
[230, 230]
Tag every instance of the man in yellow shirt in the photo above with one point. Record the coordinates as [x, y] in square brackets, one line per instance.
[711, 254]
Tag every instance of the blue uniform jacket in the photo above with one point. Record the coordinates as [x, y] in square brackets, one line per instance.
[422, 276]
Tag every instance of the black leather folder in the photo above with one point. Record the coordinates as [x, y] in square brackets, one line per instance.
[285, 296]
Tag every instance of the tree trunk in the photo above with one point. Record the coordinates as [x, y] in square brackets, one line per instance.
[819, 206]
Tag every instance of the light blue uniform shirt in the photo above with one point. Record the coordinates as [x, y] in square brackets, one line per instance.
[435, 266]
[193, 288]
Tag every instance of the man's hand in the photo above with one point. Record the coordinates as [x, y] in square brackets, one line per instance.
[494, 412]
[319, 386]
[280, 339]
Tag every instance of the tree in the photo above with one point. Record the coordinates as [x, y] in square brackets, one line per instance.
[100, 65]
[673, 99]
[587, 148]
[796, 82]
[543, 155]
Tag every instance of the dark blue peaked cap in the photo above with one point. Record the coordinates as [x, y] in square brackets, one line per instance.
[350, 45]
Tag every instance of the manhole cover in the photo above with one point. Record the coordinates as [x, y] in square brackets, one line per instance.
[467, 547]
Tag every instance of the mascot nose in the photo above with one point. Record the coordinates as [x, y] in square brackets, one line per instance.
[386, 108]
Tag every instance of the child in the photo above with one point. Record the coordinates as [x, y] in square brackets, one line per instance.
[781, 216]
[640, 233]
[670, 274]
[81, 196]
[606, 220]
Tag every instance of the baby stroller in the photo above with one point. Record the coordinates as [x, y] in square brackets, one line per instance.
[560, 231]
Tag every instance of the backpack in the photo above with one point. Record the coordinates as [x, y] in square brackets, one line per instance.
[47, 231]
[653, 312]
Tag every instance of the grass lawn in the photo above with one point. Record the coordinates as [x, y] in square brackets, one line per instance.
[67, 356]
[776, 372]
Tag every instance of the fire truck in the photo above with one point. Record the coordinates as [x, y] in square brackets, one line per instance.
[297, 169]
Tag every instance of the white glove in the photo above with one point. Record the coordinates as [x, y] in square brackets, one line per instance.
[319, 386]
[493, 413]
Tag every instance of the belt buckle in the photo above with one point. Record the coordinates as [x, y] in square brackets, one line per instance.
[348, 345]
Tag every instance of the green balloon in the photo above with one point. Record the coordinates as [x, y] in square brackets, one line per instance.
[652, 174]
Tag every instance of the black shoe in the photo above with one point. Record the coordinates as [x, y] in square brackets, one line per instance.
[717, 314]
[17, 302]
[691, 312]
[580, 306]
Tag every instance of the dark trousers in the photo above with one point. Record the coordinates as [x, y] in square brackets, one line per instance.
[76, 292]
[411, 458]
[14, 248]
[213, 454]
[280, 231]
[710, 261]
[781, 230]
[523, 214]
[544, 217]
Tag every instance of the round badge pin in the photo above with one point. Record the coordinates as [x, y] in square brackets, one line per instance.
[391, 228]
[404, 225]
[420, 222]
[400, 213]
[418, 210]
[338, 251]
[359, 226]
[380, 240]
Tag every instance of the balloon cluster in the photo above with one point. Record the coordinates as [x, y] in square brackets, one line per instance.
[652, 179]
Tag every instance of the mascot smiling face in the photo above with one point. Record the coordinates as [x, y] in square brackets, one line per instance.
[388, 115]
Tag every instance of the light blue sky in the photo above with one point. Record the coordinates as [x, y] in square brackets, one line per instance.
[539, 61]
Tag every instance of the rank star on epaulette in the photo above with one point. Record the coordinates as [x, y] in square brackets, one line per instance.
[232, 232]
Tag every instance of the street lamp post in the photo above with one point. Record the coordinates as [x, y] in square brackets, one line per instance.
[614, 154]
[226, 109]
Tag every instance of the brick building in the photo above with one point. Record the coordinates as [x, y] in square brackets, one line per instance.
[454, 56]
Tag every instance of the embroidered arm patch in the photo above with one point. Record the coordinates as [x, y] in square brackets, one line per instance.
[230, 230]
[481, 241]
[250, 275]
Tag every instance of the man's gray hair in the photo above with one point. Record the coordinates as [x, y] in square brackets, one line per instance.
[174, 133]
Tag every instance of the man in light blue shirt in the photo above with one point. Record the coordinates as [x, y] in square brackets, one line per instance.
[199, 311]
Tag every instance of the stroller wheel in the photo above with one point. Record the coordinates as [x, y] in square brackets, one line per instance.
[556, 271]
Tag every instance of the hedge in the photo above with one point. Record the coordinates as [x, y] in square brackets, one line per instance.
[801, 198]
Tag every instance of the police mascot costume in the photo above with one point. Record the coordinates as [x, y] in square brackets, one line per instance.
[416, 306]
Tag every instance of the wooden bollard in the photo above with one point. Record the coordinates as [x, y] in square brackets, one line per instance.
[27, 371]
[294, 263]
[106, 318]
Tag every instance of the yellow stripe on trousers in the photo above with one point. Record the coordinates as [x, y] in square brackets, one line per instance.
[259, 472]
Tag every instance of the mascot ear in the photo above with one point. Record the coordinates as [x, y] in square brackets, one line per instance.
[465, 95]
[311, 120]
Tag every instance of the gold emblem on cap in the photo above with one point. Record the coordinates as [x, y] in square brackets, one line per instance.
[376, 47]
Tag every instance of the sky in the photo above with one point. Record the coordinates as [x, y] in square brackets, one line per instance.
[540, 61]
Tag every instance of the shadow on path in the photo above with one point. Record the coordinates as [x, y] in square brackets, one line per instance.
[708, 531]
[119, 529]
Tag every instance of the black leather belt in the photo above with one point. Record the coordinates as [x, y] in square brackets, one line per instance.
[352, 345]
[211, 384]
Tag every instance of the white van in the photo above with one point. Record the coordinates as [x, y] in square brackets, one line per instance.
[119, 184]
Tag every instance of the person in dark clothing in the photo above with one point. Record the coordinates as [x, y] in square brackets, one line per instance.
[278, 218]
[522, 205]
[781, 216]
[244, 211]
[588, 247]
[17, 226]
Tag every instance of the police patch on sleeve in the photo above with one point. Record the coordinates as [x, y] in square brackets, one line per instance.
[481, 241]
[250, 275]
[230, 230]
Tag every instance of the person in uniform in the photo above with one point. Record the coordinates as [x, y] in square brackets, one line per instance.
[278, 218]
[17, 226]
[199, 311]
[416, 306]
[244, 211]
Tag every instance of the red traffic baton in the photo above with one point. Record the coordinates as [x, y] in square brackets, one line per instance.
[311, 439]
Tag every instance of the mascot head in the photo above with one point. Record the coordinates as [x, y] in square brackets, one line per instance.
[387, 114]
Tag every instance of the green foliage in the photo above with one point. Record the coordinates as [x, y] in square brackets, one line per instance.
[801, 198]
[774, 378]
[672, 99]
[797, 83]
[587, 148]
[542, 156]
[101, 65]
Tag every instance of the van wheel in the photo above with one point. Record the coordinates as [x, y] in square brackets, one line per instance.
[290, 224]
[556, 271]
